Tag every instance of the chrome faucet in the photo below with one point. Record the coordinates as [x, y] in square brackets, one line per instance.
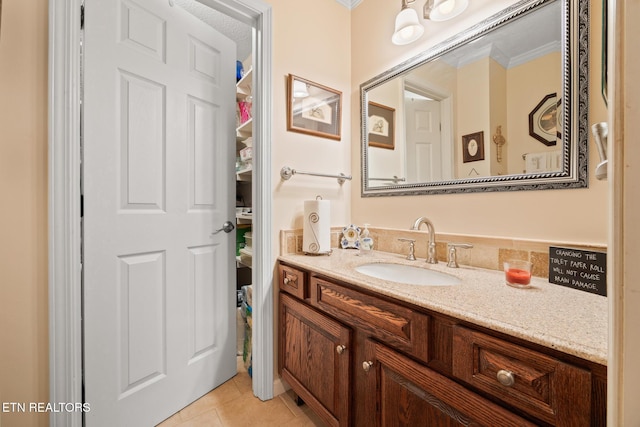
[431, 248]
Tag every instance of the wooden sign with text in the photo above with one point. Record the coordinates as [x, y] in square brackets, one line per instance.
[578, 269]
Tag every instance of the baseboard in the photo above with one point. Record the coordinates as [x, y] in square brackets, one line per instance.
[279, 387]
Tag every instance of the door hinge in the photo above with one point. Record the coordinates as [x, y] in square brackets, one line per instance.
[82, 17]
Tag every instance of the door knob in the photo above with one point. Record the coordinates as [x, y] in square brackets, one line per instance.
[227, 227]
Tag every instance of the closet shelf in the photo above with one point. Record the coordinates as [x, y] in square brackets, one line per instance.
[240, 263]
[244, 174]
[244, 131]
[244, 218]
[246, 257]
[243, 87]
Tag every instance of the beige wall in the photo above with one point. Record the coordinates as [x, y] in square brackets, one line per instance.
[472, 114]
[561, 215]
[522, 95]
[499, 116]
[304, 44]
[382, 161]
[24, 352]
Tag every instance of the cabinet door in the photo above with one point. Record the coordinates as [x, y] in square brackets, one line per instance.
[315, 358]
[406, 393]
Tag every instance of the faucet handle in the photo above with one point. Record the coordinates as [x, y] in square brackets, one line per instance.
[453, 256]
[411, 256]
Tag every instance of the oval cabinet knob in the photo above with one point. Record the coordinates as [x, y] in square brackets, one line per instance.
[367, 365]
[340, 348]
[505, 378]
[286, 280]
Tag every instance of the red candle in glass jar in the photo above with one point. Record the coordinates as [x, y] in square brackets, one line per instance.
[516, 275]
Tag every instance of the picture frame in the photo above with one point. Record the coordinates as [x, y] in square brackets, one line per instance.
[544, 120]
[313, 109]
[381, 132]
[473, 147]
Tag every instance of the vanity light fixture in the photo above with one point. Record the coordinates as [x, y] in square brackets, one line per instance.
[443, 10]
[300, 89]
[408, 29]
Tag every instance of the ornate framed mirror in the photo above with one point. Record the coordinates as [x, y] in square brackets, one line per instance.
[466, 109]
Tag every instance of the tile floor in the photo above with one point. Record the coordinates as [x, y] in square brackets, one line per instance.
[234, 405]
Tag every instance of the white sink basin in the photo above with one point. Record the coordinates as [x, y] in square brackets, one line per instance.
[408, 274]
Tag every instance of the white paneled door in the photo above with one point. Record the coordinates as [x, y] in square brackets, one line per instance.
[158, 156]
[423, 140]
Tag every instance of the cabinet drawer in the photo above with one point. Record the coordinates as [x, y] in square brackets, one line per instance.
[292, 281]
[391, 323]
[541, 385]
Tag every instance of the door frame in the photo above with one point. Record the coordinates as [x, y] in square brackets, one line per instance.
[65, 239]
[446, 120]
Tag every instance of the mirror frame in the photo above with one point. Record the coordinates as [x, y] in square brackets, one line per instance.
[575, 86]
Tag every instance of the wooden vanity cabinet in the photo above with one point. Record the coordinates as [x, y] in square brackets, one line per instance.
[314, 360]
[407, 393]
[362, 359]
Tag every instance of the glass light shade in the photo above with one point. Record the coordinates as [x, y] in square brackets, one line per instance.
[300, 89]
[442, 10]
[408, 28]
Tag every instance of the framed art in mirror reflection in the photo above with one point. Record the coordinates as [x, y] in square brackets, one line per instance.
[473, 147]
[381, 128]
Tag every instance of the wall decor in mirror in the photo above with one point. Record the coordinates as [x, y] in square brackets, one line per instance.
[313, 109]
[501, 106]
[381, 126]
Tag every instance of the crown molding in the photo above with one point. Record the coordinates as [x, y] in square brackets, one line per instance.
[349, 4]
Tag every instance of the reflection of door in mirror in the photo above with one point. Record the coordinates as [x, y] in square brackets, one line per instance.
[424, 117]
[428, 159]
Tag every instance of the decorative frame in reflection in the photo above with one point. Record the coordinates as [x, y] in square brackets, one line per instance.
[543, 120]
[381, 126]
[473, 147]
[313, 109]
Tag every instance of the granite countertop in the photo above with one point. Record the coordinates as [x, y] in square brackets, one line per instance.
[565, 319]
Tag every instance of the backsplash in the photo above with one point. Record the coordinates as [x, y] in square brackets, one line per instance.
[487, 252]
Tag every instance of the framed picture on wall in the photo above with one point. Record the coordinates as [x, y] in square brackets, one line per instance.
[313, 109]
[381, 126]
[473, 147]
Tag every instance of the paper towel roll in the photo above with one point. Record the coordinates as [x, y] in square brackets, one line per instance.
[316, 234]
